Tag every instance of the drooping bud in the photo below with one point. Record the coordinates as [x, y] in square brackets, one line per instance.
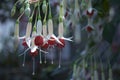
[44, 6]
[27, 10]
[13, 11]
[22, 10]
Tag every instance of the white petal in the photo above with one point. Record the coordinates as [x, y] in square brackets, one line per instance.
[67, 39]
[56, 39]
[28, 41]
[90, 10]
[33, 49]
[22, 37]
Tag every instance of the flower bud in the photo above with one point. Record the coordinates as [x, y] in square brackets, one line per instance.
[22, 10]
[27, 10]
[44, 7]
[13, 11]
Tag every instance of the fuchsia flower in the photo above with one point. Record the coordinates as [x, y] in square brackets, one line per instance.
[90, 11]
[89, 28]
[39, 41]
[52, 39]
[41, 37]
[61, 32]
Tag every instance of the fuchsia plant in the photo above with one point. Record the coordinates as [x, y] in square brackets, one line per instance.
[40, 36]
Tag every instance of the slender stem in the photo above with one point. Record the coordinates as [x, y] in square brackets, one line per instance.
[24, 60]
[39, 16]
[90, 4]
[51, 56]
[89, 21]
[44, 21]
[33, 73]
[45, 58]
[49, 11]
[24, 52]
[40, 58]
[33, 13]
[60, 58]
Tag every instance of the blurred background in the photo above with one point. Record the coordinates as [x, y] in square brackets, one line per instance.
[106, 47]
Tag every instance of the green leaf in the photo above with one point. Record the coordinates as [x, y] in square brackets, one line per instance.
[108, 32]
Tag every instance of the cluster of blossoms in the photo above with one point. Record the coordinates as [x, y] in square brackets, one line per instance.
[40, 37]
[85, 68]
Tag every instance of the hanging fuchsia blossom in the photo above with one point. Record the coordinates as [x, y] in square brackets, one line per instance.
[90, 11]
[39, 36]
